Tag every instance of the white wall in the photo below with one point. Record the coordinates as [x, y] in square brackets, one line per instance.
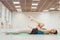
[5, 17]
[50, 19]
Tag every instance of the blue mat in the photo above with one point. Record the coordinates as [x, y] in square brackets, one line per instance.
[26, 34]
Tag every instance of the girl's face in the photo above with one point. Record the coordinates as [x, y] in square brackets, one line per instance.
[52, 31]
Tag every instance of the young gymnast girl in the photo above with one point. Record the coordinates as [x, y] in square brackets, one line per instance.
[37, 30]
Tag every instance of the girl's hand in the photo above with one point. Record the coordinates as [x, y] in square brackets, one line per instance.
[31, 18]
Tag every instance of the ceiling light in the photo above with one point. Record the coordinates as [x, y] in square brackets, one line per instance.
[16, 2]
[52, 8]
[34, 7]
[59, 2]
[36, 0]
[17, 6]
[18, 9]
[45, 10]
[34, 3]
[58, 9]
